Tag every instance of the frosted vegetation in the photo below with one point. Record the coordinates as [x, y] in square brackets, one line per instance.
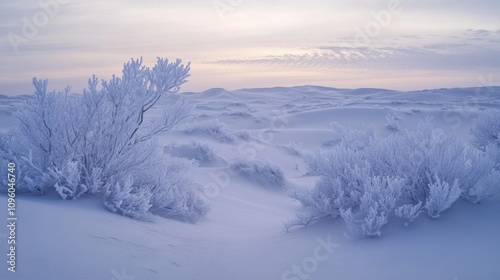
[486, 133]
[214, 128]
[260, 171]
[393, 122]
[202, 152]
[103, 143]
[365, 179]
[199, 151]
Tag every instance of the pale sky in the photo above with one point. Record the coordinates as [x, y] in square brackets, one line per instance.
[395, 44]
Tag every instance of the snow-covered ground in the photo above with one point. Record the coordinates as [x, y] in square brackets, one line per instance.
[242, 237]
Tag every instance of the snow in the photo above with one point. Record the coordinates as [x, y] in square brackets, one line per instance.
[242, 237]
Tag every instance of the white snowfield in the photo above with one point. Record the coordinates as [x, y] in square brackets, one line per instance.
[242, 236]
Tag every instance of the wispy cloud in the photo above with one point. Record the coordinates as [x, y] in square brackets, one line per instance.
[446, 56]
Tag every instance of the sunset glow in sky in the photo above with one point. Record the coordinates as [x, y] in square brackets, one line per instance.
[396, 44]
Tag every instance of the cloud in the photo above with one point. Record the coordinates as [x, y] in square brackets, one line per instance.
[445, 56]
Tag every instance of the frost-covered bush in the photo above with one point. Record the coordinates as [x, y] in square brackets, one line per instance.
[212, 127]
[441, 196]
[393, 122]
[486, 134]
[493, 152]
[344, 140]
[198, 151]
[354, 139]
[487, 187]
[67, 180]
[239, 113]
[260, 171]
[421, 154]
[406, 169]
[329, 142]
[177, 196]
[127, 200]
[486, 130]
[293, 149]
[380, 195]
[103, 142]
[408, 212]
[477, 173]
[300, 219]
[243, 135]
[202, 152]
[341, 184]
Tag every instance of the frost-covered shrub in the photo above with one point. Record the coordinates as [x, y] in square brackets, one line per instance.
[345, 140]
[198, 151]
[330, 142]
[239, 113]
[202, 152]
[368, 223]
[313, 161]
[425, 165]
[300, 219]
[486, 130]
[441, 196]
[67, 180]
[103, 141]
[408, 212]
[260, 171]
[421, 154]
[293, 149]
[486, 187]
[493, 152]
[377, 203]
[393, 122]
[341, 183]
[354, 139]
[177, 196]
[476, 170]
[128, 200]
[243, 135]
[486, 134]
[212, 127]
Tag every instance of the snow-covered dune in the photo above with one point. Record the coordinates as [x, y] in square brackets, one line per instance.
[242, 237]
